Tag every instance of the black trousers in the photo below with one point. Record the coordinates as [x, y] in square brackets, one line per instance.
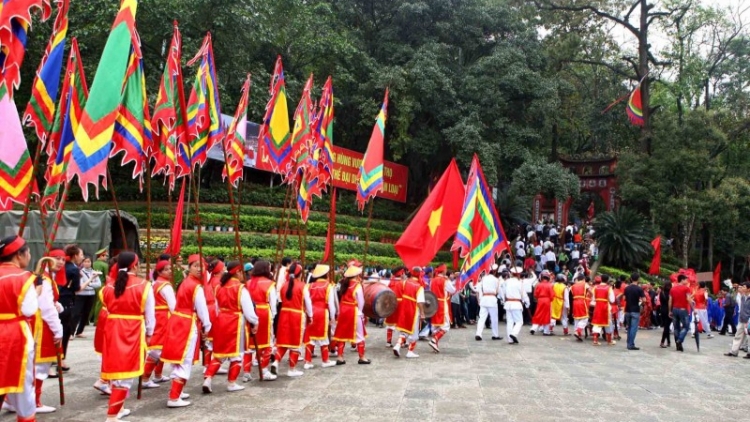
[65, 319]
[666, 320]
[81, 311]
[457, 316]
[728, 320]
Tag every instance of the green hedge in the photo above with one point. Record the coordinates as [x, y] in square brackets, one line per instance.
[616, 272]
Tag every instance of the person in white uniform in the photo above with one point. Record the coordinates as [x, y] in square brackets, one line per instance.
[514, 298]
[487, 290]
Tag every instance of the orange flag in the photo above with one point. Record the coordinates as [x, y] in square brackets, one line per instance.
[435, 222]
[656, 262]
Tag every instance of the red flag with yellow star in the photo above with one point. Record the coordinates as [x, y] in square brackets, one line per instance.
[436, 221]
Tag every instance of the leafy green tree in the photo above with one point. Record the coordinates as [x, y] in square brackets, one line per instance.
[623, 238]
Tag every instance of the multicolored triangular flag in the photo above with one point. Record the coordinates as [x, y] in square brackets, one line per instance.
[234, 144]
[370, 178]
[274, 131]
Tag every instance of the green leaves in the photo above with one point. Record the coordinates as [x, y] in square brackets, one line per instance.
[623, 238]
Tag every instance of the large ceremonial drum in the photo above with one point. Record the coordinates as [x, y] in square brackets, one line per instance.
[380, 301]
[430, 304]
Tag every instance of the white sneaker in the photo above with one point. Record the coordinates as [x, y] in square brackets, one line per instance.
[246, 377]
[411, 354]
[184, 396]
[275, 368]
[150, 384]
[309, 366]
[207, 386]
[45, 409]
[255, 362]
[9, 407]
[234, 387]
[222, 371]
[161, 379]
[268, 376]
[123, 413]
[328, 364]
[294, 373]
[397, 350]
[177, 403]
[389, 345]
[103, 387]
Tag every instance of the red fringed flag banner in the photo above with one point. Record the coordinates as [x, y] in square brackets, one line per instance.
[15, 20]
[204, 110]
[480, 238]
[234, 143]
[323, 132]
[717, 279]
[40, 111]
[655, 267]
[132, 134]
[302, 132]
[167, 119]
[175, 239]
[274, 131]
[370, 177]
[75, 92]
[94, 135]
[634, 107]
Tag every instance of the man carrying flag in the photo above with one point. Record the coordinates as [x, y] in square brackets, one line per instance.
[443, 289]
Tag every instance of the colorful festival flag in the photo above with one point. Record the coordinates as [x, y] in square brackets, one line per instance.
[234, 143]
[274, 131]
[302, 133]
[40, 111]
[167, 119]
[132, 134]
[75, 93]
[634, 107]
[480, 238]
[204, 110]
[15, 20]
[323, 131]
[94, 134]
[370, 177]
[655, 267]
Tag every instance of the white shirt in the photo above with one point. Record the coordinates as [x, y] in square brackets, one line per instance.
[513, 294]
[280, 279]
[49, 310]
[201, 309]
[550, 257]
[548, 244]
[148, 313]
[553, 232]
[538, 250]
[332, 303]
[167, 292]
[519, 244]
[539, 227]
[529, 283]
[487, 290]
[521, 253]
[248, 310]
[575, 254]
[530, 234]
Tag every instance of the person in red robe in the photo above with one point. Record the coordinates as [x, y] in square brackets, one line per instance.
[350, 325]
[397, 286]
[544, 293]
[130, 302]
[604, 298]
[47, 327]
[236, 311]
[165, 301]
[443, 289]
[215, 270]
[581, 296]
[323, 298]
[263, 294]
[645, 321]
[18, 303]
[182, 335]
[295, 306]
[101, 322]
[410, 314]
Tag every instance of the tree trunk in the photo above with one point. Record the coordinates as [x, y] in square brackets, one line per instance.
[686, 236]
[555, 140]
[643, 71]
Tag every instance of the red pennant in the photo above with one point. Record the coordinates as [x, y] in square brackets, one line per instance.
[656, 262]
[717, 278]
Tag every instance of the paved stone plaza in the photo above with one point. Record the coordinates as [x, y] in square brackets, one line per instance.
[542, 379]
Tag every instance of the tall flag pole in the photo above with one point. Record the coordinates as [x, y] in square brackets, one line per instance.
[16, 168]
[274, 131]
[167, 119]
[303, 168]
[94, 135]
[370, 178]
[234, 157]
[480, 238]
[75, 93]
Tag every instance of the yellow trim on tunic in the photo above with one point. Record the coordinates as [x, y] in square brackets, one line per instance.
[26, 329]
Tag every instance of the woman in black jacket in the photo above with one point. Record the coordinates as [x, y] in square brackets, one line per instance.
[664, 310]
[73, 258]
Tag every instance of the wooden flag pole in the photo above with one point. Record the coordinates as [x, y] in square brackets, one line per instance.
[332, 231]
[117, 210]
[235, 217]
[30, 190]
[283, 225]
[148, 218]
[286, 223]
[58, 218]
[367, 232]
[197, 218]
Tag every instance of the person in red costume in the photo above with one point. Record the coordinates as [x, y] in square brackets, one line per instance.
[701, 310]
[215, 271]
[581, 296]
[295, 306]
[236, 315]
[603, 298]
[443, 289]
[396, 284]
[130, 302]
[350, 326]
[165, 301]
[263, 294]
[182, 337]
[323, 298]
[101, 322]
[410, 313]
[645, 321]
[18, 302]
[543, 314]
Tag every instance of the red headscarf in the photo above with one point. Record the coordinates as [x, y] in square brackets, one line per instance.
[60, 278]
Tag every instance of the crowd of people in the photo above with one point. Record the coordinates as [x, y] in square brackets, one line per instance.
[238, 316]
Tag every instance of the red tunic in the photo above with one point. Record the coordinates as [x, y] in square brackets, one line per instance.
[408, 310]
[645, 321]
[700, 299]
[602, 313]
[580, 295]
[441, 317]
[179, 333]
[291, 316]
[43, 336]
[320, 292]
[14, 327]
[209, 290]
[615, 307]
[161, 314]
[260, 294]
[101, 321]
[397, 286]
[346, 326]
[229, 323]
[543, 294]
[124, 343]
